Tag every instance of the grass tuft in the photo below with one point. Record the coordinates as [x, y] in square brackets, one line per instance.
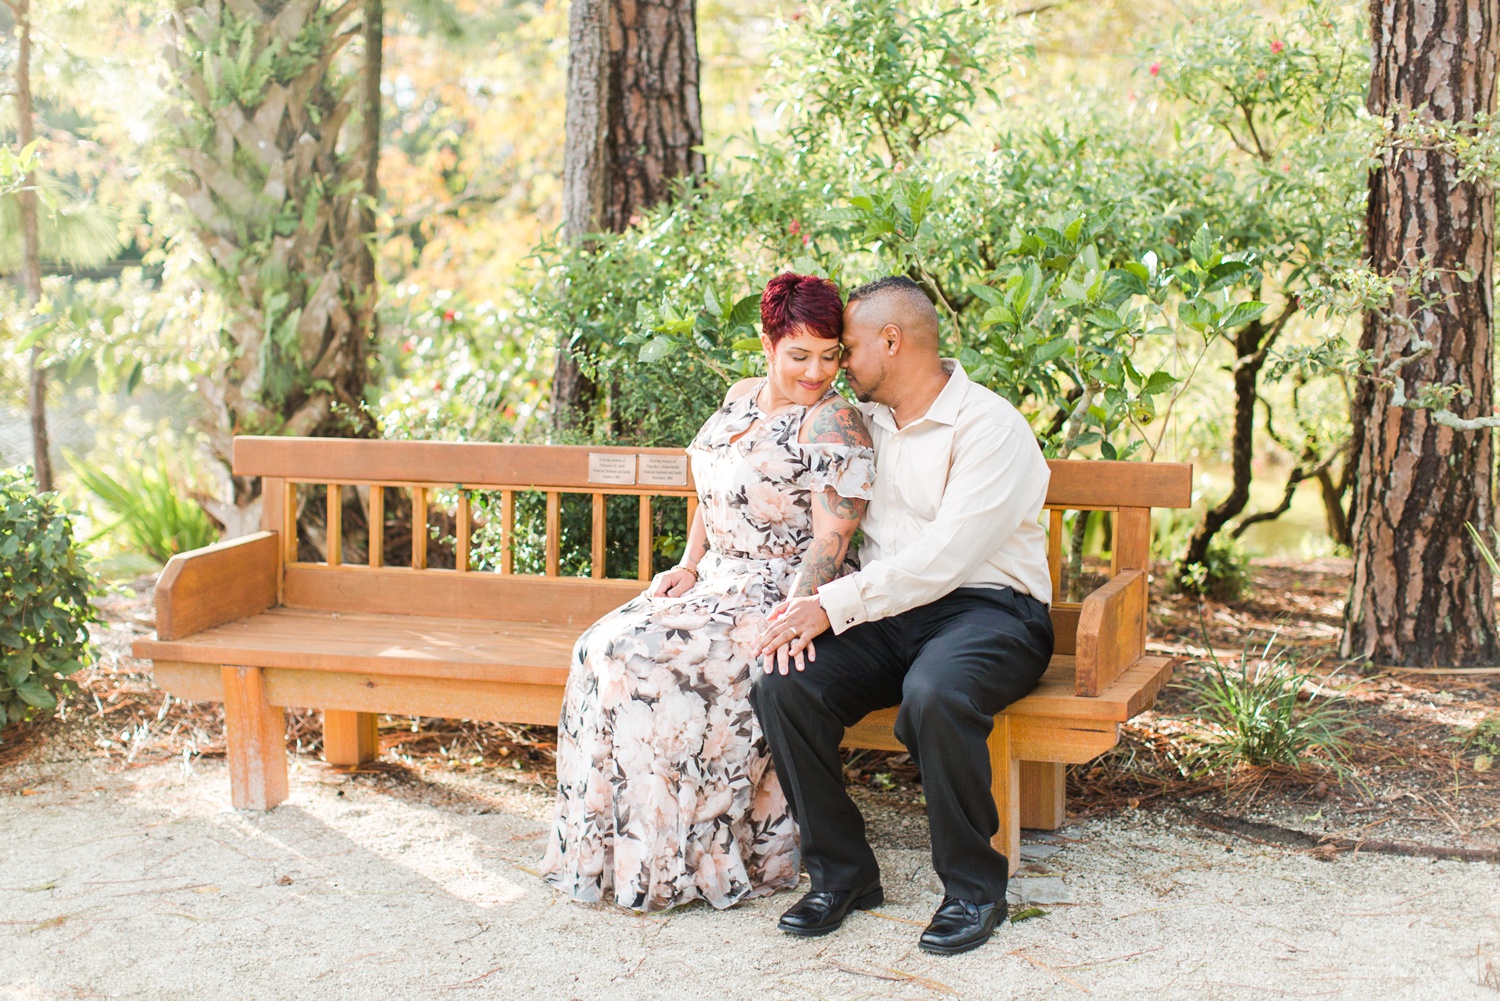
[1266, 713]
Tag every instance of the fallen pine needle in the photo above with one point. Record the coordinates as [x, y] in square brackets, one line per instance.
[892, 917]
[475, 980]
[1047, 969]
[927, 982]
[343, 964]
[868, 973]
[1438, 670]
[897, 976]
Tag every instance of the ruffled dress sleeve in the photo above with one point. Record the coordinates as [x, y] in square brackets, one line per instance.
[848, 469]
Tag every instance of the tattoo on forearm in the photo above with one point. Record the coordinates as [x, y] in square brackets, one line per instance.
[844, 508]
[820, 564]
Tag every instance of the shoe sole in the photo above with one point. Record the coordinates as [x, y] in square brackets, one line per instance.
[954, 950]
[864, 903]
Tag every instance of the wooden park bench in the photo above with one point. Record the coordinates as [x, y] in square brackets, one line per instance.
[314, 618]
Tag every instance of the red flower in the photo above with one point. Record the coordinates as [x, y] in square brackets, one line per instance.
[1155, 69]
[794, 227]
[409, 345]
[1276, 46]
[448, 316]
[437, 387]
[806, 239]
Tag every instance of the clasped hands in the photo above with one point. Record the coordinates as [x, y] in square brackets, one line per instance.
[787, 640]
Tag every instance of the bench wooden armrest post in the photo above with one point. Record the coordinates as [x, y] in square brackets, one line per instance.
[1111, 631]
[221, 583]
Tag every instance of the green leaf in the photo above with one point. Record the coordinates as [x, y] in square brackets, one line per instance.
[747, 344]
[1159, 382]
[657, 348]
[988, 293]
[1074, 228]
[1107, 450]
[17, 668]
[1224, 274]
[1202, 247]
[1243, 313]
[36, 696]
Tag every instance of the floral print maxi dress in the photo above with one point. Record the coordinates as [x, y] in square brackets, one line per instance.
[666, 793]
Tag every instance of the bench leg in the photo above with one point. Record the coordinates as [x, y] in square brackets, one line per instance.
[256, 733]
[1042, 795]
[349, 738]
[1005, 782]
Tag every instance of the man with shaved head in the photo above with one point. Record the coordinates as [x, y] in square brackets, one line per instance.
[948, 617]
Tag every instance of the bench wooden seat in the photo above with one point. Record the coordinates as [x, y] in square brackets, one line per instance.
[248, 623]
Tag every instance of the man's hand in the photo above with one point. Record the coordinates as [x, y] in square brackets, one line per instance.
[790, 630]
[671, 583]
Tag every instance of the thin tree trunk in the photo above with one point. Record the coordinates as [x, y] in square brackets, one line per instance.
[374, 42]
[1251, 344]
[31, 254]
[1421, 593]
[633, 122]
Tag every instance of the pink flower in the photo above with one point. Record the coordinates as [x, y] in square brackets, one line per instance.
[1155, 69]
[1276, 46]
[806, 239]
[409, 345]
[769, 504]
[794, 227]
[448, 316]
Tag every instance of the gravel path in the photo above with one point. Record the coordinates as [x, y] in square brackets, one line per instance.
[143, 884]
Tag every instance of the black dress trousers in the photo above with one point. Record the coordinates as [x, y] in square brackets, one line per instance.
[952, 665]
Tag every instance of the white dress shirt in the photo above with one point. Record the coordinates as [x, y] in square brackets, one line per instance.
[958, 495]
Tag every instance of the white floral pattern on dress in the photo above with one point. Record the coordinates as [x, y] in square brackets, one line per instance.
[666, 792]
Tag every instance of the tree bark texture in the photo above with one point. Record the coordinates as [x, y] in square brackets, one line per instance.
[633, 122]
[273, 184]
[31, 254]
[1421, 593]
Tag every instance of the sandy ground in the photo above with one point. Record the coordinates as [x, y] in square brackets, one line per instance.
[144, 884]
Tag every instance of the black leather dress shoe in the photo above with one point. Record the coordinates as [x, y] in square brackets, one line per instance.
[822, 911]
[959, 926]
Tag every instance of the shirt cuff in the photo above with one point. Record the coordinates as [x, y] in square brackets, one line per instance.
[840, 598]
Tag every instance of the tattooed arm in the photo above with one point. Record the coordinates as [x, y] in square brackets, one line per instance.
[835, 518]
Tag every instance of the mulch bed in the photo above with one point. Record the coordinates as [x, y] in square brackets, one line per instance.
[1408, 784]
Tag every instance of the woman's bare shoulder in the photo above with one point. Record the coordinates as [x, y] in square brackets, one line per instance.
[741, 389]
[836, 421]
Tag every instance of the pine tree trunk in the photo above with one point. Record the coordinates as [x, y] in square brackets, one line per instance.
[31, 255]
[633, 120]
[1421, 594]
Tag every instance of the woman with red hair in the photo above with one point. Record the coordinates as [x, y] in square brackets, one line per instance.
[666, 793]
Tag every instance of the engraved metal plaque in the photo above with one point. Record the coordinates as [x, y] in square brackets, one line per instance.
[608, 468]
[664, 470]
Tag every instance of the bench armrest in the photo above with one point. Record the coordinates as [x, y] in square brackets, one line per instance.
[1111, 631]
[209, 587]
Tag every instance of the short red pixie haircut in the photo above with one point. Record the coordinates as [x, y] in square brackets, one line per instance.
[793, 301]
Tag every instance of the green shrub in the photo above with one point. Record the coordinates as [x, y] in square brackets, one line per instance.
[1257, 716]
[153, 516]
[44, 592]
[1222, 575]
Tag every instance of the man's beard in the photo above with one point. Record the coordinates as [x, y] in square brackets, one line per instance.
[865, 392]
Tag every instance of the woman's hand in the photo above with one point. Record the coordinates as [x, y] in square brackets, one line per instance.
[673, 582]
